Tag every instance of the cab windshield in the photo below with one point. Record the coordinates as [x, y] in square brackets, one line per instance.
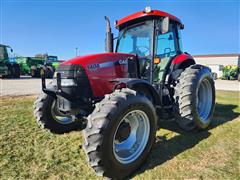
[2, 52]
[5, 52]
[136, 39]
[51, 59]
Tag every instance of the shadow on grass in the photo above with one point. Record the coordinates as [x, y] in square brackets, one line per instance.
[166, 149]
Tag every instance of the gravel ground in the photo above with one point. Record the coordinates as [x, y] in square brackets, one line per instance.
[227, 85]
[23, 86]
[28, 86]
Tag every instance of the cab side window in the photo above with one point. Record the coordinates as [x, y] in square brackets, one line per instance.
[165, 43]
[166, 48]
[180, 39]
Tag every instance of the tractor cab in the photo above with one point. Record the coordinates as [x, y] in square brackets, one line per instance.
[8, 65]
[5, 52]
[51, 59]
[154, 36]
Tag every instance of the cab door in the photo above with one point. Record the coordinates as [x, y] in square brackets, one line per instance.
[166, 47]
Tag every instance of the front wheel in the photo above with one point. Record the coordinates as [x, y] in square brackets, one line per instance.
[195, 98]
[120, 133]
[50, 118]
[34, 72]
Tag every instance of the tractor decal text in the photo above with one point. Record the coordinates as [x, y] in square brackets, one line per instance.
[94, 67]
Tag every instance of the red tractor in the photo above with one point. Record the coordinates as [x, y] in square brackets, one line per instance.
[119, 97]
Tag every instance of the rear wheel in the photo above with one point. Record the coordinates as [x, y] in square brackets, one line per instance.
[16, 71]
[50, 71]
[50, 118]
[195, 98]
[43, 71]
[120, 133]
[10, 72]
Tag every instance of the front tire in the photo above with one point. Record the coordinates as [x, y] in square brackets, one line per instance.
[49, 118]
[116, 143]
[34, 72]
[195, 98]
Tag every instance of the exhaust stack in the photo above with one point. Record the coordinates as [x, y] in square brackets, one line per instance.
[109, 36]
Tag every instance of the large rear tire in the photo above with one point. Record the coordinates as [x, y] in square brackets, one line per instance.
[10, 72]
[49, 118]
[120, 133]
[195, 98]
[50, 71]
[16, 71]
[43, 71]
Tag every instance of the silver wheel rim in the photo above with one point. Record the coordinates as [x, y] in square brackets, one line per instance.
[131, 148]
[58, 116]
[204, 100]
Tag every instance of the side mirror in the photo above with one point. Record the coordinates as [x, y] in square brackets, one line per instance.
[11, 50]
[165, 25]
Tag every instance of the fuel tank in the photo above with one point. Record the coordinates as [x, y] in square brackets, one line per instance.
[101, 69]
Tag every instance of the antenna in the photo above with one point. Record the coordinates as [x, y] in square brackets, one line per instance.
[76, 51]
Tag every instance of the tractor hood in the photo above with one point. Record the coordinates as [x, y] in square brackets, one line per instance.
[93, 61]
[95, 73]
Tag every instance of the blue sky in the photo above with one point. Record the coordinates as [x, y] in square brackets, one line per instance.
[59, 26]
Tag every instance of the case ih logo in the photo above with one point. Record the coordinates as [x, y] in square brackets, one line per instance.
[122, 62]
[93, 67]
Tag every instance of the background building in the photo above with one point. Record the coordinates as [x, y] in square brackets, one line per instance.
[218, 59]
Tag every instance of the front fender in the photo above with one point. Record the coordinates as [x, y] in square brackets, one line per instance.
[140, 86]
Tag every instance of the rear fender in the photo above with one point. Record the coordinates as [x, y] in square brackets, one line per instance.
[182, 61]
[140, 86]
[179, 63]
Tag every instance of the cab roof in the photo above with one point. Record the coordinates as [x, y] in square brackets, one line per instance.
[142, 15]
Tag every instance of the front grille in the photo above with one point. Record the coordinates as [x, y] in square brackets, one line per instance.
[76, 72]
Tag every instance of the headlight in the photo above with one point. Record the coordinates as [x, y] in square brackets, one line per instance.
[65, 82]
[68, 82]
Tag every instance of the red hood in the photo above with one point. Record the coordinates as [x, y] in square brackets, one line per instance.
[98, 58]
[101, 69]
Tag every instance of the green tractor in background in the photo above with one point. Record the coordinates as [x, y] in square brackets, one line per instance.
[30, 65]
[50, 65]
[9, 68]
[39, 65]
[231, 73]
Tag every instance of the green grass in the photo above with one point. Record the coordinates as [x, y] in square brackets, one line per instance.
[27, 152]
